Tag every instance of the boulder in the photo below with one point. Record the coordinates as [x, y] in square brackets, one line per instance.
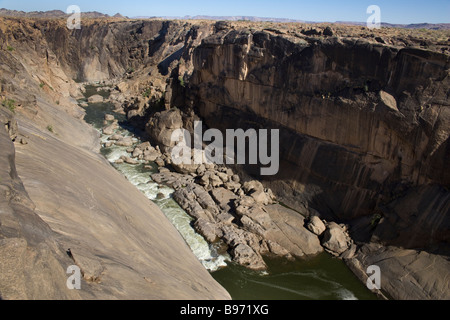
[129, 160]
[185, 168]
[261, 197]
[150, 156]
[387, 102]
[316, 226]
[109, 117]
[224, 198]
[109, 130]
[288, 231]
[144, 146]
[95, 99]
[125, 142]
[162, 125]
[247, 257]
[335, 239]
[115, 137]
[137, 152]
[252, 186]
[209, 230]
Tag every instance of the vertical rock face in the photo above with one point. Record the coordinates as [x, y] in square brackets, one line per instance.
[356, 118]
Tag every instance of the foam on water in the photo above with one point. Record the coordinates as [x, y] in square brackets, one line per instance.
[210, 259]
[346, 294]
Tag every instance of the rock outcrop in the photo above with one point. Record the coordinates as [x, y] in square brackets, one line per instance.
[252, 229]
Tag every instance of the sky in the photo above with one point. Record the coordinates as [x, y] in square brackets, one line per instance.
[393, 11]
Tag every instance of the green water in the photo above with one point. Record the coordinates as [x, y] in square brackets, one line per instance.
[319, 278]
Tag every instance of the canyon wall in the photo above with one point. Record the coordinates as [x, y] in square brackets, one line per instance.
[361, 123]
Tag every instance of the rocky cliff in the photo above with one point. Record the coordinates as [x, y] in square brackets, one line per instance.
[61, 202]
[364, 125]
[363, 115]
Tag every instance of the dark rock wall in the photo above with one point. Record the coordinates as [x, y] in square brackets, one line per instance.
[358, 120]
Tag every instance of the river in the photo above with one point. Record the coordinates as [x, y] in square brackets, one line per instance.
[319, 278]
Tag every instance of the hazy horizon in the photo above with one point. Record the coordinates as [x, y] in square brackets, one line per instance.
[400, 12]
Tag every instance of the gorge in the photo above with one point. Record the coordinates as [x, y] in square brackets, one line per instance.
[363, 117]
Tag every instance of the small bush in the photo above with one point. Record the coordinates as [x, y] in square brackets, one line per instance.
[50, 128]
[10, 104]
[41, 85]
[147, 93]
[182, 82]
[10, 48]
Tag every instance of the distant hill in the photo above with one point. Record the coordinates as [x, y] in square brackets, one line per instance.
[431, 26]
[52, 14]
[95, 14]
[436, 26]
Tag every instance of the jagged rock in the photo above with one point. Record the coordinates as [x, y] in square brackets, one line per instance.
[246, 247]
[236, 178]
[223, 176]
[125, 142]
[137, 152]
[328, 31]
[109, 130]
[232, 186]
[160, 162]
[252, 186]
[185, 168]
[210, 179]
[115, 137]
[224, 198]
[388, 102]
[222, 25]
[209, 230]
[316, 226]
[109, 144]
[335, 239]
[246, 256]
[278, 250]
[160, 196]
[196, 201]
[144, 146]
[261, 197]
[129, 160]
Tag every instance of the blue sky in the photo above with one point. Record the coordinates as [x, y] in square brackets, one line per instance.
[402, 11]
